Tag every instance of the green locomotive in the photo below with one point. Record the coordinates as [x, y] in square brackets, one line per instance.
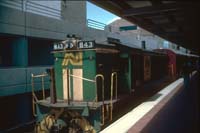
[83, 88]
[86, 80]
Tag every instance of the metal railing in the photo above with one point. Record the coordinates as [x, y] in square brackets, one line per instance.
[102, 79]
[43, 10]
[32, 7]
[16, 4]
[113, 76]
[34, 97]
[96, 97]
[95, 24]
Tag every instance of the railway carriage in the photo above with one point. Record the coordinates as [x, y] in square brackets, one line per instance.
[176, 60]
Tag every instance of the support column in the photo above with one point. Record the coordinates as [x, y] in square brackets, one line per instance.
[20, 52]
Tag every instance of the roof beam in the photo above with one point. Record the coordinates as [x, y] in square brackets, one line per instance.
[151, 9]
[122, 4]
[155, 2]
[107, 5]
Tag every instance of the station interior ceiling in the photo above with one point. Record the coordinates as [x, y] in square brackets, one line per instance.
[175, 21]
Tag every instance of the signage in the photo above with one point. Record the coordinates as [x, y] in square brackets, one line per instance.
[85, 44]
[73, 59]
[73, 45]
[60, 46]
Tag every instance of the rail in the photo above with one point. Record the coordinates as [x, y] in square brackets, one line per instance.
[114, 74]
[95, 24]
[34, 97]
[86, 79]
[16, 4]
[96, 97]
[33, 7]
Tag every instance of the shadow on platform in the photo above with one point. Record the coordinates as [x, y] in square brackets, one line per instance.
[181, 114]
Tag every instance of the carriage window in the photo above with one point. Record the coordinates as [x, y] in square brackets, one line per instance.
[165, 44]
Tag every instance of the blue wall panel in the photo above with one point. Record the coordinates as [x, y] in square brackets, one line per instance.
[18, 80]
[12, 76]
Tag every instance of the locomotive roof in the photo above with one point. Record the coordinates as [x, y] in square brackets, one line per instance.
[101, 47]
[127, 49]
[176, 52]
[98, 50]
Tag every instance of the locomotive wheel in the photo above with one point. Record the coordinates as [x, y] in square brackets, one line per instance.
[45, 125]
[71, 121]
[78, 123]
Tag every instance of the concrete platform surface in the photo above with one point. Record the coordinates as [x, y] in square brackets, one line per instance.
[172, 110]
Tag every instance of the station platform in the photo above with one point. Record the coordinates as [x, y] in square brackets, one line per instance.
[174, 109]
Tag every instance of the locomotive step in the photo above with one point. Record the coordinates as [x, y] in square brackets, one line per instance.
[74, 104]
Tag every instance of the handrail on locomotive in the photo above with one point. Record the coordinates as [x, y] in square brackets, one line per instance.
[114, 74]
[34, 97]
[113, 77]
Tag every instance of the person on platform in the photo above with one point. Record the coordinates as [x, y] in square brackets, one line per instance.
[198, 65]
[186, 70]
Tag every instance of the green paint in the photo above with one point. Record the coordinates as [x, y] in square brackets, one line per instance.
[58, 74]
[41, 112]
[129, 73]
[95, 119]
[124, 55]
[85, 111]
[89, 71]
[125, 75]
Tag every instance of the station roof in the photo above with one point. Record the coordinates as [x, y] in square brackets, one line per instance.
[174, 21]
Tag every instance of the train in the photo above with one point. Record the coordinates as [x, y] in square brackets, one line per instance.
[88, 78]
